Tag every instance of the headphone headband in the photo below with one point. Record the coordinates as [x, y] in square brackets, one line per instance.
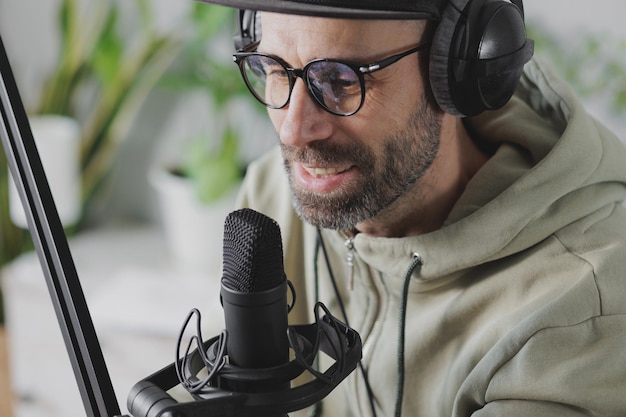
[351, 9]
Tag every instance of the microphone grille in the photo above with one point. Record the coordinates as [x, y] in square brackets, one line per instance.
[253, 252]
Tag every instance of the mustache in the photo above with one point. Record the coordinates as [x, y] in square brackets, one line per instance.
[326, 153]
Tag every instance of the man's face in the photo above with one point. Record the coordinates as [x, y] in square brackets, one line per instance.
[346, 170]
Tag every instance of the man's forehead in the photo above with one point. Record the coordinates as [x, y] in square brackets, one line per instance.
[332, 37]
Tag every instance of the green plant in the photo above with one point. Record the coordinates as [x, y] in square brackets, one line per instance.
[103, 78]
[104, 73]
[211, 159]
[111, 57]
[214, 172]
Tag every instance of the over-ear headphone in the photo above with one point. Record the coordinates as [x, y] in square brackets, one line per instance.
[478, 51]
[477, 54]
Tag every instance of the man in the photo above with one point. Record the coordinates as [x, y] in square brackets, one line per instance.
[482, 259]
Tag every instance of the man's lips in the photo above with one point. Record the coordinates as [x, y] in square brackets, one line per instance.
[323, 172]
[321, 179]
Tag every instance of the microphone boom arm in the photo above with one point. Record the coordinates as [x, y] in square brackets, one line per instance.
[53, 250]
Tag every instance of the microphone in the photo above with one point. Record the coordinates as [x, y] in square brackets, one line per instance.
[254, 296]
[249, 369]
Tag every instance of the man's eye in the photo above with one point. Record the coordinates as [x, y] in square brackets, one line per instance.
[276, 71]
[273, 68]
[346, 85]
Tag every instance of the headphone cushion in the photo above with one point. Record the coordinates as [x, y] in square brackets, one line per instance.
[439, 65]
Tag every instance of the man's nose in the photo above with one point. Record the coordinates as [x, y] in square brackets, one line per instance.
[304, 121]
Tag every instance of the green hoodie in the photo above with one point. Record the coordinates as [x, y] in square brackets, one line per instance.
[518, 307]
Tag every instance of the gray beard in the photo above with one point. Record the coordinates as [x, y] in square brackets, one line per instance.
[408, 154]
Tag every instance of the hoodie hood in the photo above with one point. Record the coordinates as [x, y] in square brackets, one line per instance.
[521, 287]
[554, 165]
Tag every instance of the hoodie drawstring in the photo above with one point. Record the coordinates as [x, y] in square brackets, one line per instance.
[417, 261]
[319, 244]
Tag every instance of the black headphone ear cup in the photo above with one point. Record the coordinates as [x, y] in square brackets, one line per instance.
[503, 40]
[248, 29]
[439, 63]
[478, 54]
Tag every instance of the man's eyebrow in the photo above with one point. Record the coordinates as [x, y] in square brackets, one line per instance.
[358, 59]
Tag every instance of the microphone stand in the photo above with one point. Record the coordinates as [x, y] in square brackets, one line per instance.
[51, 244]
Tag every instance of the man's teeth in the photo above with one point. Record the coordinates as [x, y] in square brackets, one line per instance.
[325, 172]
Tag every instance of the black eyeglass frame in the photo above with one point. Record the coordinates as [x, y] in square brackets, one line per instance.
[360, 70]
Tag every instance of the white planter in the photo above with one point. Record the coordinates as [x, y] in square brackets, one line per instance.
[58, 143]
[194, 231]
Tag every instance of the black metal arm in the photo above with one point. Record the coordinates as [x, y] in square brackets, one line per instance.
[53, 250]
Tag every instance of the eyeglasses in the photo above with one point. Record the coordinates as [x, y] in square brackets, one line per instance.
[337, 86]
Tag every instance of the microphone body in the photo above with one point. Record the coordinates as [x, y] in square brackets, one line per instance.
[256, 325]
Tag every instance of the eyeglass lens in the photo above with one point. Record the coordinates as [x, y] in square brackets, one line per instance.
[334, 85]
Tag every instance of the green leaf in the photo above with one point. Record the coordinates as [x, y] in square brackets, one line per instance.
[619, 102]
[145, 13]
[216, 180]
[109, 50]
[65, 18]
[209, 19]
[214, 173]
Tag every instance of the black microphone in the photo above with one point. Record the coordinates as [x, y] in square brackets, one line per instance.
[248, 369]
[254, 296]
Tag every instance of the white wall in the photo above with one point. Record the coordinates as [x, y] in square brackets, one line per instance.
[570, 21]
[565, 16]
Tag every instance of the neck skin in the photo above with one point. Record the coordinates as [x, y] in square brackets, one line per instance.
[425, 207]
